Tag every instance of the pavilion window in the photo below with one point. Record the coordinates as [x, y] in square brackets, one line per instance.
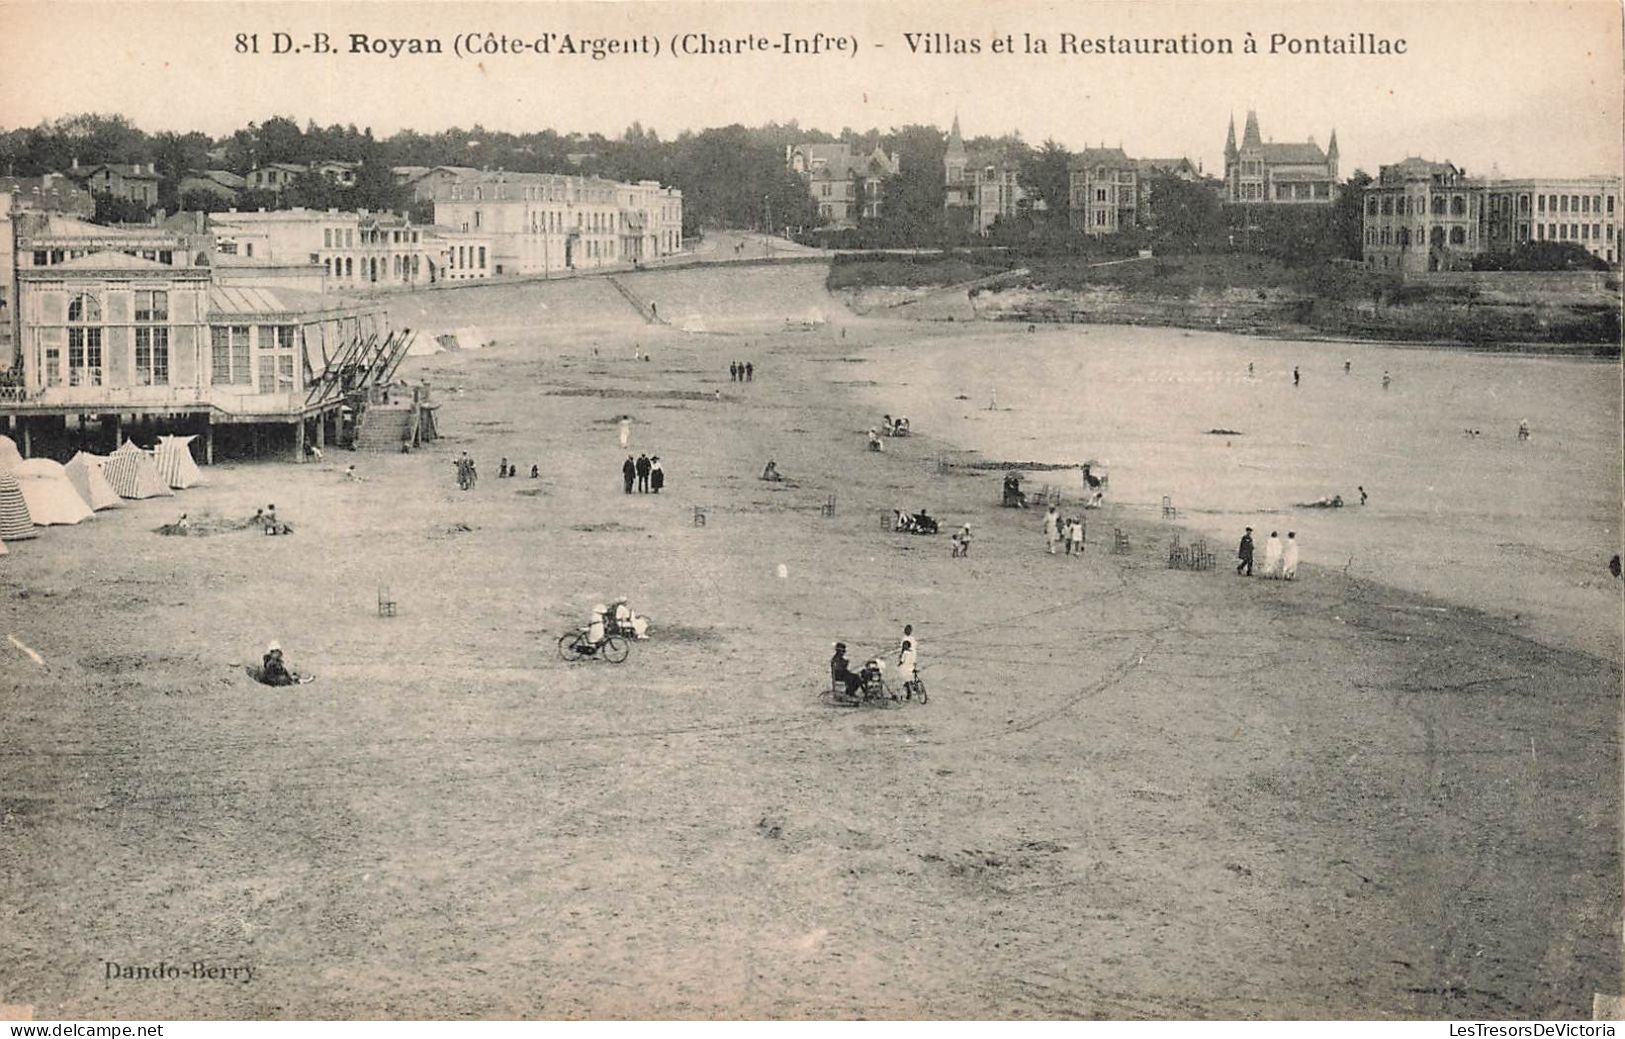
[230, 354]
[84, 341]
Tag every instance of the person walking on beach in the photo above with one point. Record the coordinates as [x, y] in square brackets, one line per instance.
[961, 541]
[1347, 367]
[907, 661]
[462, 471]
[642, 469]
[750, 371]
[1249, 369]
[629, 472]
[1245, 553]
[1272, 556]
[1386, 380]
[1074, 536]
[733, 371]
[1363, 495]
[1523, 429]
[1294, 375]
[1289, 557]
[657, 475]
[1052, 528]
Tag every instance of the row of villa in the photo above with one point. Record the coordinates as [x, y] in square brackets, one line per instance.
[242, 318]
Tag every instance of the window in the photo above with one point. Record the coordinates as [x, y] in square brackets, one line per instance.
[1610, 205]
[152, 306]
[1458, 206]
[152, 356]
[482, 257]
[1563, 203]
[230, 355]
[84, 341]
[1458, 236]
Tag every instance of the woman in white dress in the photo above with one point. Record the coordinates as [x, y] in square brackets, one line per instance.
[1272, 556]
[1289, 558]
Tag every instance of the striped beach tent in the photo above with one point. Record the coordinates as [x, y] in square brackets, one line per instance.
[84, 471]
[50, 496]
[9, 455]
[15, 522]
[173, 456]
[131, 472]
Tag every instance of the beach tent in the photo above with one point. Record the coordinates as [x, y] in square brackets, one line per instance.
[9, 455]
[3, 548]
[15, 522]
[84, 471]
[131, 472]
[470, 339]
[50, 496]
[173, 456]
[813, 317]
[694, 323]
[424, 346]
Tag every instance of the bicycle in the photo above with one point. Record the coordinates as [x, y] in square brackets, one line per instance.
[915, 689]
[576, 645]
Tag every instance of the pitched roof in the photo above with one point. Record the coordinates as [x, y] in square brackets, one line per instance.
[1101, 157]
[232, 301]
[1300, 153]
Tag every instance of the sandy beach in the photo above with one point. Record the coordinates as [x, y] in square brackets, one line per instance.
[1135, 793]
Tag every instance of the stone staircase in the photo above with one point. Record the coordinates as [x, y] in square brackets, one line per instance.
[642, 306]
[384, 428]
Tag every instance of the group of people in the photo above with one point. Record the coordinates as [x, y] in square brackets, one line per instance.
[616, 618]
[644, 471]
[506, 471]
[921, 522]
[467, 474]
[265, 519]
[1067, 531]
[868, 682]
[741, 371]
[1280, 560]
[897, 427]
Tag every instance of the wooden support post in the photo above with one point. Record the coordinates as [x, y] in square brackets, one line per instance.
[208, 439]
[299, 439]
[118, 429]
[321, 430]
[28, 441]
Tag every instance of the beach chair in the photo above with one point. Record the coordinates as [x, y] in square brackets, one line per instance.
[386, 601]
[1201, 557]
[1119, 542]
[699, 515]
[828, 508]
[1178, 558]
[1168, 510]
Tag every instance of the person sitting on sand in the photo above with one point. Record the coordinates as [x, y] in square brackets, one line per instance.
[871, 678]
[771, 472]
[274, 670]
[627, 622]
[924, 523]
[1333, 502]
[874, 441]
[502, 469]
[535, 472]
[183, 524]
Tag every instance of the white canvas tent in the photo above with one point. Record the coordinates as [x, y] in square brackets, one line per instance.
[132, 473]
[85, 473]
[173, 456]
[50, 496]
[9, 455]
[470, 338]
[424, 346]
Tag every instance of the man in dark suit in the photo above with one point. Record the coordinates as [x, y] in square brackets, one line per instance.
[629, 472]
[643, 474]
[1245, 554]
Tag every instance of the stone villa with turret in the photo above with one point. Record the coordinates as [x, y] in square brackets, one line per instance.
[1259, 172]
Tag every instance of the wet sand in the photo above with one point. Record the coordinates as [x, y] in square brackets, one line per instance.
[1135, 793]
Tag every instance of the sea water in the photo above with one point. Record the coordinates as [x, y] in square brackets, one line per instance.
[1520, 528]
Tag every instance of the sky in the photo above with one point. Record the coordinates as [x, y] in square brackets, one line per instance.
[1517, 88]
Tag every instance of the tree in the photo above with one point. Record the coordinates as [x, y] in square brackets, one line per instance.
[1348, 217]
[912, 210]
[1046, 176]
[1184, 216]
